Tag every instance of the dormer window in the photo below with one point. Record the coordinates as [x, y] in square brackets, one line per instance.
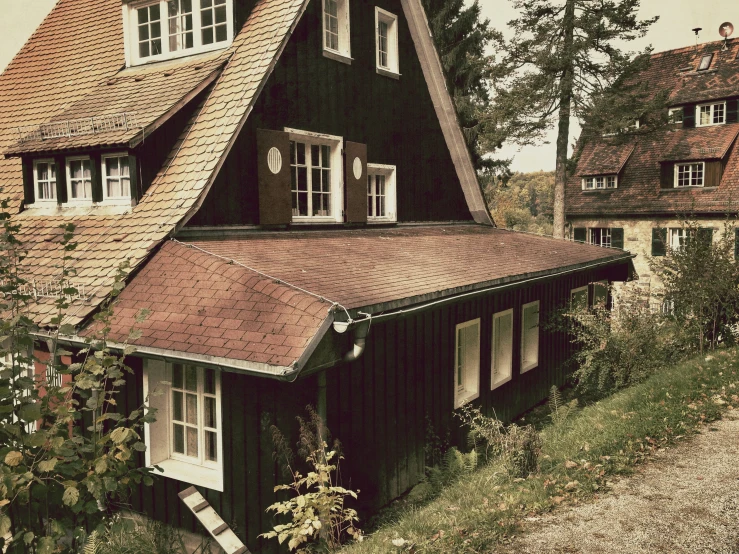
[44, 177]
[336, 30]
[79, 180]
[597, 182]
[386, 25]
[689, 175]
[116, 178]
[675, 115]
[705, 62]
[163, 29]
[710, 114]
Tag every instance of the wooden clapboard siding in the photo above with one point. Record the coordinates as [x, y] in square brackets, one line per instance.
[394, 118]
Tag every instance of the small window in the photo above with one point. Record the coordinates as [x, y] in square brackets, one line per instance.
[502, 355]
[44, 180]
[467, 362]
[599, 182]
[600, 294]
[530, 336]
[675, 115]
[680, 237]
[315, 162]
[336, 29]
[600, 236]
[705, 62]
[214, 21]
[386, 25]
[381, 193]
[689, 175]
[710, 114]
[79, 180]
[579, 298]
[186, 439]
[116, 177]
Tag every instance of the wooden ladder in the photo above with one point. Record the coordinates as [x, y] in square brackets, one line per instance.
[210, 519]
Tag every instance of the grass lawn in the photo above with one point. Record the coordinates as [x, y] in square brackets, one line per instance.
[603, 439]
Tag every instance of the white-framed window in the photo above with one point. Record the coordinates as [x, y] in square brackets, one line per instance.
[44, 181]
[600, 294]
[316, 177]
[679, 237]
[116, 177]
[467, 362]
[336, 28]
[710, 114]
[599, 236]
[186, 440]
[386, 41]
[79, 180]
[690, 174]
[501, 369]
[579, 298]
[600, 182]
[675, 115]
[705, 62]
[529, 336]
[163, 29]
[381, 195]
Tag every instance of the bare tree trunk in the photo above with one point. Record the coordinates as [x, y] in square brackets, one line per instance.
[566, 84]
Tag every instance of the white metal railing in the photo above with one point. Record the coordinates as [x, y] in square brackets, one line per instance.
[51, 289]
[78, 127]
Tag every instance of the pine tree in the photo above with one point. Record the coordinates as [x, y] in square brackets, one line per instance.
[564, 61]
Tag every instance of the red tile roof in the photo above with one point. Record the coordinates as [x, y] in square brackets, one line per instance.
[604, 158]
[703, 143]
[370, 267]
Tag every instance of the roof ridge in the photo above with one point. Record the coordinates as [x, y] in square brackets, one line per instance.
[695, 47]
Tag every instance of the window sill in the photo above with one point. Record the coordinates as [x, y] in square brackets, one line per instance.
[529, 367]
[600, 190]
[500, 383]
[180, 54]
[465, 397]
[388, 73]
[691, 187]
[380, 220]
[305, 220]
[337, 56]
[192, 474]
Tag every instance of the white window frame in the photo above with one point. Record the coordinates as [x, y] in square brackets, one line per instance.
[343, 52]
[131, 31]
[692, 166]
[576, 291]
[605, 232]
[604, 303]
[392, 54]
[470, 388]
[678, 237]
[159, 442]
[388, 171]
[36, 199]
[527, 365]
[600, 182]
[79, 201]
[672, 115]
[337, 175]
[711, 114]
[705, 62]
[504, 374]
[125, 199]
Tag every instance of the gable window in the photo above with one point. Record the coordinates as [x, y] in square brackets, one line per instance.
[600, 236]
[315, 177]
[600, 182]
[579, 298]
[705, 62]
[710, 114]
[336, 29]
[386, 25]
[116, 177]
[689, 175]
[467, 362]
[79, 180]
[44, 178]
[381, 192]
[162, 29]
[600, 294]
[502, 355]
[186, 439]
[529, 336]
[675, 115]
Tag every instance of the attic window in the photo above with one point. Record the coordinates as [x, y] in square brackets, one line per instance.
[689, 175]
[44, 177]
[387, 41]
[675, 115]
[336, 30]
[164, 29]
[710, 114]
[705, 62]
[599, 182]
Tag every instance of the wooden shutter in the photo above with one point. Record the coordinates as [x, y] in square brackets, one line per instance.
[581, 234]
[61, 179]
[29, 194]
[659, 242]
[355, 177]
[732, 107]
[713, 174]
[736, 244]
[273, 162]
[667, 175]
[689, 116]
[155, 381]
[133, 173]
[617, 237]
[96, 172]
[705, 235]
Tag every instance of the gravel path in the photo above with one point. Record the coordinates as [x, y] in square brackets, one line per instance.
[684, 501]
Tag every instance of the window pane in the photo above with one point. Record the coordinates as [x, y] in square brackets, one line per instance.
[192, 442]
[210, 381]
[210, 412]
[192, 409]
[301, 153]
[177, 406]
[179, 439]
[177, 373]
[191, 378]
[154, 12]
[221, 14]
[206, 18]
[206, 3]
[208, 36]
[143, 15]
[326, 155]
[211, 447]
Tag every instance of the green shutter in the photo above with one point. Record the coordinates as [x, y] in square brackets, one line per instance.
[581, 234]
[659, 242]
[689, 116]
[617, 238]
[705, 236]
[736, 244]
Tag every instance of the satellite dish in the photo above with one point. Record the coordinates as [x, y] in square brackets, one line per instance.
[726, 29]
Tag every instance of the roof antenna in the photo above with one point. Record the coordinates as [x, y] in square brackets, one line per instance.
[696, 31]
[725, 30]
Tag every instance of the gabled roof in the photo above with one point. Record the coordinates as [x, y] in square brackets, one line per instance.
[604, 158]
[703, 143]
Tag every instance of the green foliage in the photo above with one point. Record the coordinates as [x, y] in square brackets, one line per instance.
[317, 517]
[434, 446]
[701, 283]
[523, 202]
[67, 455]
[559, 411]
[454, 464]
[139, 536]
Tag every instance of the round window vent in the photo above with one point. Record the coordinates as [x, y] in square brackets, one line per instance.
[274, 160]
[357, 169]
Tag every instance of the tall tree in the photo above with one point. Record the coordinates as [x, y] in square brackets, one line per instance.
[561, 61]
[462, 37]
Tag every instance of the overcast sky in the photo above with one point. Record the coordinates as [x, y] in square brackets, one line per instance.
[673, 30]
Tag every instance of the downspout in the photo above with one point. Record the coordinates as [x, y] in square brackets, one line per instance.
[360, 330]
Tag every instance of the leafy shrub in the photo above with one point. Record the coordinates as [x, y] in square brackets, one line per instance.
[139, 536]
[318, 520]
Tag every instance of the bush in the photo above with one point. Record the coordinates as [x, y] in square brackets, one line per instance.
[139, 536]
